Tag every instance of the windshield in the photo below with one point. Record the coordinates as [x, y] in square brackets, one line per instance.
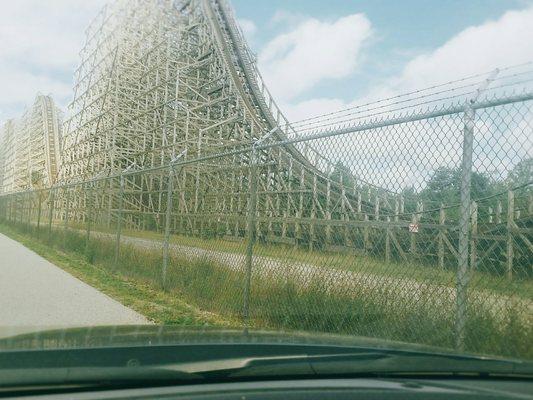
[206, 171]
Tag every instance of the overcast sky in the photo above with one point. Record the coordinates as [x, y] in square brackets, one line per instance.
[315, 58]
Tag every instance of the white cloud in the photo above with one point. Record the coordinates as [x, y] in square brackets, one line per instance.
[312, 107]
[399, 156]
[248, 27]
[40, 42]
[477, 49]
[506, 41]
[287, 18]
[294, 62]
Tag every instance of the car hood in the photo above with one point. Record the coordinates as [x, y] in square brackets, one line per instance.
[152, 335]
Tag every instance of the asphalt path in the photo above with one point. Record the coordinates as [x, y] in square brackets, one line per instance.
[35, 294]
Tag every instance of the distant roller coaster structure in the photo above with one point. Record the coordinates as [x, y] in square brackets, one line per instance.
[30, 147]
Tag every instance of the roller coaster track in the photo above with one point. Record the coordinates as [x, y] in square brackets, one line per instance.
[238, 56]
[240, 62]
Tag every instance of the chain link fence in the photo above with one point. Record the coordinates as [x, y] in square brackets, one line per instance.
[413, 226]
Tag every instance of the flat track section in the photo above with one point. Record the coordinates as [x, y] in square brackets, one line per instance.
[37, 294]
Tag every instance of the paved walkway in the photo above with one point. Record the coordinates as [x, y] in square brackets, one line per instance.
[35, 293]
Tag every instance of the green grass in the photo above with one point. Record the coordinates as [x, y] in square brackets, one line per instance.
[200, 291]
[142, 295]
[480, 281]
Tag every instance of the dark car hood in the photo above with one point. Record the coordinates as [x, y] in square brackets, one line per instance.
[151, 335]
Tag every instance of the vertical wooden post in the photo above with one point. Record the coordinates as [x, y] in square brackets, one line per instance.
[473, 236]
[415, 219]
[510, 226]
[499, 212]
[412, 238]
[442, 233]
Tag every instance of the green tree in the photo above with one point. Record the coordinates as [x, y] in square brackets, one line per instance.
[342, 173]
[521, 174]
[444, 186]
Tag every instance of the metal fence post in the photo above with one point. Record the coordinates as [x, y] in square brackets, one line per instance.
[464, 225]
[51, 213]
[67, 208]
[251, 222]
[464, 219]
[119, 220]
[168, 217]
[29, 211]
[39, 211]
[250, 234]
[11, 209]
[21, 208]
[509, 239]
[88, 207]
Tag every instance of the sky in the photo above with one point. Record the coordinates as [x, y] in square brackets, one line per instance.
[315, 56]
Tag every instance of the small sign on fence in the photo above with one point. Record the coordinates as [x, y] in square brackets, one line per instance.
[413, 228]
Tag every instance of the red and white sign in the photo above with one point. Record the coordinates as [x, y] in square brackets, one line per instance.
[413, 228]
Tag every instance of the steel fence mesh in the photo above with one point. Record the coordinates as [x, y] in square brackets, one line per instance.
[359, 230]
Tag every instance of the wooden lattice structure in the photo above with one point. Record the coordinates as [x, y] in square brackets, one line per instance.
[160, 78]
[30, 147]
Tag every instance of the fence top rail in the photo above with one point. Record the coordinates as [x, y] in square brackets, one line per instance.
[405, 118]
